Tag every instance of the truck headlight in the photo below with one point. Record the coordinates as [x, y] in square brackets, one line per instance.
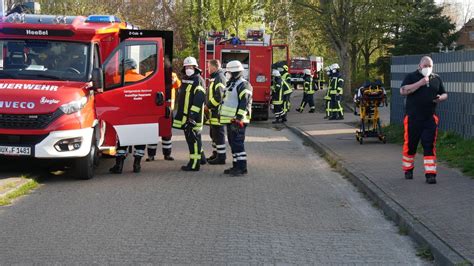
[74, 106]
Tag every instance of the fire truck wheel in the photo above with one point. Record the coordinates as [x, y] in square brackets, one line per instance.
[84, 167]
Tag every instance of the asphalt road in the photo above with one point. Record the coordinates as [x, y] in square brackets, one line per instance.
[290, 208]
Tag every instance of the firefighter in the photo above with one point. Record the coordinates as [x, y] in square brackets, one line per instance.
[166, 143]
[215, 94]
[130, 75]
[308, 93]
[424, 90]
[327, 98]
[189, 113]
[287, 90]
[277, 97]
[235, 112]
[334, 107]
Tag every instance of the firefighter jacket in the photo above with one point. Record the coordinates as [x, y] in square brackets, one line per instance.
[190, 105]
[237, 103]
[215, 94]
[336, 85]
[286, 84]
[308, 86]
[277, 91]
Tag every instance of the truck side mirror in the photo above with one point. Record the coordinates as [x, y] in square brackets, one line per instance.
[97, 78]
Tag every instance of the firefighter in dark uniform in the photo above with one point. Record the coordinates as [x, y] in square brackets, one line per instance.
[334, 108]
[277, 96]
[287, 91]
[235, 112]
[166, 142]
[424, 90]
[190, 112]
[130, 75]
[308, 93]
[215, 94]
[327, 98]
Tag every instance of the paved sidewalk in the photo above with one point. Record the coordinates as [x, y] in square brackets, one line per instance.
[440, 216]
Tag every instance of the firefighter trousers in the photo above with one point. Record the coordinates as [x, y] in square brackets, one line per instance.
[139, 151]
[166, 145]
[193, 139]
[278, 110]
[334, 108]
[217, 134]
[425, 130]
[287, 103]
[307, 99]
[236, 138]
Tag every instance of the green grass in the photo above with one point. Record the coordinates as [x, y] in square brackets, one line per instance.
[425, 253]
[22, 190]
[450, 148]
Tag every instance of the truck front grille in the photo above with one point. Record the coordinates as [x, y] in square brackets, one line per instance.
[21, 139]
[11, 121]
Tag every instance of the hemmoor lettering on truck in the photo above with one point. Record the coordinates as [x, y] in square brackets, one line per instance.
[36, 87]
[37, 32]
[17, 105]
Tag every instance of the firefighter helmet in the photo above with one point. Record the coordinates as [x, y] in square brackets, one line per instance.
[307, 72]
[190, 61]
[285, 67]
[276, 73]
[335, 66]
[130, 63]
[234, 66]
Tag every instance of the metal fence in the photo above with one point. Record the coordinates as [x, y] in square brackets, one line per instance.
[456, 69]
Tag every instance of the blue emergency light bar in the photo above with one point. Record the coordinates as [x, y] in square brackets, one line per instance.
[102, 19]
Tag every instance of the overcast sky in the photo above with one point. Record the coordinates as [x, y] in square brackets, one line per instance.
[464, 7]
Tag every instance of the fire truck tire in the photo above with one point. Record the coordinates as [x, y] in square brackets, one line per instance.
[83, 168]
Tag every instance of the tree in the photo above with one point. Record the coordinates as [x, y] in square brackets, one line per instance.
[423, 29]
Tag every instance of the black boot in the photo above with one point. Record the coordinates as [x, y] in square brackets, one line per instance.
[213, 156]
[238, 172]
[220, 159]
[136, 164]
[118, 167]
[203, 158]
[276, 121]
[168, 158]
[409, 174]
[229, 170]
[189, 167]
[312, 110]
[430, 178]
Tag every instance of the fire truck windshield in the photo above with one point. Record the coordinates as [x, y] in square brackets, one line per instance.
[300, 64]
[44, 60]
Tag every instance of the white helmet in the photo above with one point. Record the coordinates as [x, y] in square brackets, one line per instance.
[276, 73]
[190, 61]
[335, 66]
[307, 72]
[234, 66]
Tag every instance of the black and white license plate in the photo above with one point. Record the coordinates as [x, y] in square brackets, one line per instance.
[10, 150]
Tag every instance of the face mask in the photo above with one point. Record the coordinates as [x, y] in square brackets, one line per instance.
[228, 75]
[189, 72]
[426, 71]
[334, 71]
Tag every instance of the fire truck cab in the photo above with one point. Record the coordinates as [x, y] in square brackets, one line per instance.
[72, 86]
[299, 64]
[256, 55]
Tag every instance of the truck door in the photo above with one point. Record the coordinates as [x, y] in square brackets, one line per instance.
[132, 101]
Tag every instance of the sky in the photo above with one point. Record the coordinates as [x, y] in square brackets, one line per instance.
[464, 7]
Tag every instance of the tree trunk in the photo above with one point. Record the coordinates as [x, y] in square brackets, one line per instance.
[346, 71]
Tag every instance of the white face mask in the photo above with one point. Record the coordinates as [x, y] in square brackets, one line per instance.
[189, 72]
[426, 71]
[228, 75]
[334, 71]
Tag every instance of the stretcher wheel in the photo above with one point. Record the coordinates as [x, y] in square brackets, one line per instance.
[361, 141]
[383, 139]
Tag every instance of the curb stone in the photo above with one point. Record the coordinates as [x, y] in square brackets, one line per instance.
[422, 235]
[11, 185]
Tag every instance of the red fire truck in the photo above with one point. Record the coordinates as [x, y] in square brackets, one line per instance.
[257, 55]
[299, 64]
[64, 92]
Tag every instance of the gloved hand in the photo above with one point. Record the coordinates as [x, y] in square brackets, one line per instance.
[190, 124]
[238, 123]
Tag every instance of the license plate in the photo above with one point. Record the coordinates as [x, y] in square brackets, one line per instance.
[9, 150]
